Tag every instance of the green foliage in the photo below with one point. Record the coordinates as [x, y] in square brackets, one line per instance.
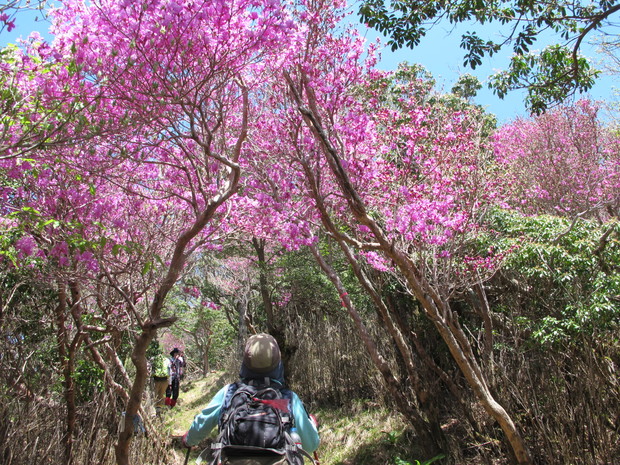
[28, 345]
[202, 321]
[88, 378]
[545, 75]
[566, 272]
[550, 77]
[466, 87]
[411, 86]
[410, 82]
[309, 287]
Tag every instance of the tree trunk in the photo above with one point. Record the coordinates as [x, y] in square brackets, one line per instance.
[205, 356]
[109, 378]
[431, 426]
[66, 353]
[429, 442]
[259, 247]
[182, 250]
[436, 309]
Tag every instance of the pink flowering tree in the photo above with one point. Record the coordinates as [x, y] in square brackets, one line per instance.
[46, 101]
[401, 188]
[412, 215]
[95, 248]
[564, 163]
[397, 188]
[174, 85]
[180, 98]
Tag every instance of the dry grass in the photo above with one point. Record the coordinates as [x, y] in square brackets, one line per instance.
[362, 434]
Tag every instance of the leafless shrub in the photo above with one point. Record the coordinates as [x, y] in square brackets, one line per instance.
[33, 430]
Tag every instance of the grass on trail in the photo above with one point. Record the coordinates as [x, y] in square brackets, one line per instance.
[362, 434]
[193, 397]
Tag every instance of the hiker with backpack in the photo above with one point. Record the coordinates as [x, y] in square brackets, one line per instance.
[257, 417]
[160, 372]
[174, 378]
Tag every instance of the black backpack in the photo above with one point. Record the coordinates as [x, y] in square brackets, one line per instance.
[256, 420]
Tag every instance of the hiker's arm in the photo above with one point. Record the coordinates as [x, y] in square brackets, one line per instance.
[305, 427]
[205, 421]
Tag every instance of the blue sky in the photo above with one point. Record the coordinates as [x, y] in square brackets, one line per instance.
[439, 53]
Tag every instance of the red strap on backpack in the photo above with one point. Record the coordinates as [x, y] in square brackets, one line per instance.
[280, 404]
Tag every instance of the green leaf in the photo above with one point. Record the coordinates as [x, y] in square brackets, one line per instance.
[147, 267]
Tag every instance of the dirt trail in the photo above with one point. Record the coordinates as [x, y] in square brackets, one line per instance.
[194, 395]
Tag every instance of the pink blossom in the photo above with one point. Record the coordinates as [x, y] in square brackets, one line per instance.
[193, 291]
[26, 246]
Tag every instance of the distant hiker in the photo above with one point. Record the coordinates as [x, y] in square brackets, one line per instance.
[257, 417]
[174, 378]
[160, 366]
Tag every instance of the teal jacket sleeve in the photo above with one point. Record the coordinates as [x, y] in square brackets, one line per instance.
[305, 427]
[205, 421]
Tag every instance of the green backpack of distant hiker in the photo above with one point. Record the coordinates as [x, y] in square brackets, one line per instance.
[160, 366]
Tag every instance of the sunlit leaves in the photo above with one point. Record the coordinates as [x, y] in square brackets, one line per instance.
[571, 287]
[551, 77]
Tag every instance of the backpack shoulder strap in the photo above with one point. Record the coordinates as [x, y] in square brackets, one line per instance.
[286, 392]
[232, 388]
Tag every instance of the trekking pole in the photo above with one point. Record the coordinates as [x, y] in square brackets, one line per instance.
[187, 456]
